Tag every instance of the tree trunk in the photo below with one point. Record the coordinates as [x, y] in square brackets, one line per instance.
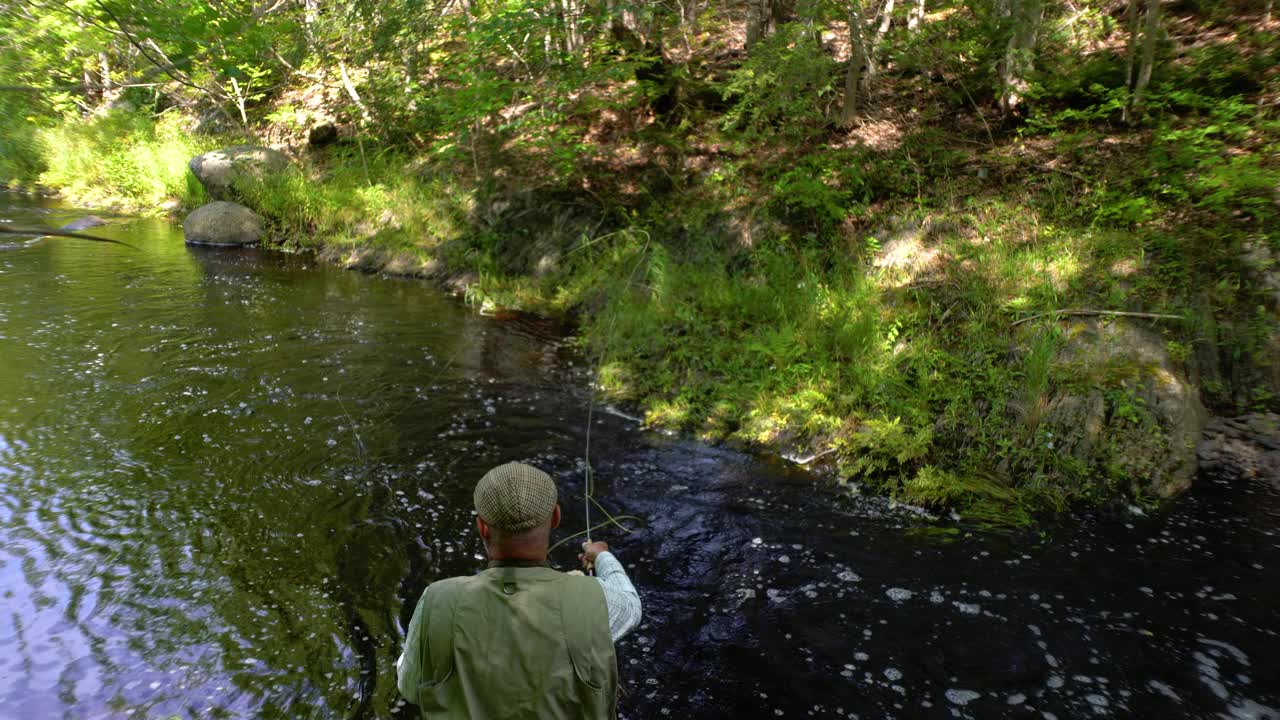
[757, 21]
[1131, 53]
[858, 61]
[915, 15]
[1266, 13]
[882, 29]
[1150, 35]
[1019, 57]
[105, 69]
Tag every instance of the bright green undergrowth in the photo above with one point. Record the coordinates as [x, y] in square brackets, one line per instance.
[356, 200]
[122, 159]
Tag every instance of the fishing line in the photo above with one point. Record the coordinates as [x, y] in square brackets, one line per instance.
[588, 487]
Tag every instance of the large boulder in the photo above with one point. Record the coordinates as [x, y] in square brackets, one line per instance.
[217, 170]
[1126, 412]
[222, 223]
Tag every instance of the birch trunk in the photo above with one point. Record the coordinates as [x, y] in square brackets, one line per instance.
[915, 15]
[105, 69]
[873, 51]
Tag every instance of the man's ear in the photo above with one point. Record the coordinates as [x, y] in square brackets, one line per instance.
[482, 527]
[555, 517]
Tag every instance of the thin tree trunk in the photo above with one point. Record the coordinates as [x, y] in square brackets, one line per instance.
[858, 60]
[1266, 13]
[1150, 35]
[1019, 58]
[915, 15]
[350, 87]
[873, 51]
[105, 68]
[757, 21]
[1131, 54]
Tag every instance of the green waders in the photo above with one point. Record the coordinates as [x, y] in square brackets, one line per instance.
[516, 643]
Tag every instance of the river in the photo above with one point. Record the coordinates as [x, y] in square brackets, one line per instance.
[227, 475]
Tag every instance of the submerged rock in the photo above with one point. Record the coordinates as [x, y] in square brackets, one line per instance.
[222, 223]
[217, 170]
[84, 223]
[1126, 411]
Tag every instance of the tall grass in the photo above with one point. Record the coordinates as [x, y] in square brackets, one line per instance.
[379, 202]
[123, 159]
[20, 156]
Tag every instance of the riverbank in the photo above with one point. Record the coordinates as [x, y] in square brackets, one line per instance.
[885, 299]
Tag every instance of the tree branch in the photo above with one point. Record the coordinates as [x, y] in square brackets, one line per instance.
[1114, 313]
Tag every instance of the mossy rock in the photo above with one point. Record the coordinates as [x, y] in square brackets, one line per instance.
[217, 170]
[1125, 415]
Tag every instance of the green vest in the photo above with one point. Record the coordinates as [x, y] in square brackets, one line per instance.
[517, 643]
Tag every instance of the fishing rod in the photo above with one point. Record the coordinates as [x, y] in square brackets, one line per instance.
[588, 487]
[42, 232]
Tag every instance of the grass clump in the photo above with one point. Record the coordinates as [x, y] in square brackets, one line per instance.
[123, 159]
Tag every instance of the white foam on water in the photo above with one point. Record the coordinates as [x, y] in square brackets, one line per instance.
[899, 594]
[892, 674]
[1250, 710]
[962, 697]
[1236, 652]
[1164, 690]
[1016, 699]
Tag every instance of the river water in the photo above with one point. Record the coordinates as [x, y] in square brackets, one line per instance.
[227, 475]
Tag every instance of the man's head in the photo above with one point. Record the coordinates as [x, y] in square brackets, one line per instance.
[516, 507]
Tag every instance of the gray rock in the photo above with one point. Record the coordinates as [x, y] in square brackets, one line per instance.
[84, 223]
[217, 170]
[1132, 414]
[222, 223]
[1262, 264]
[1246, 447]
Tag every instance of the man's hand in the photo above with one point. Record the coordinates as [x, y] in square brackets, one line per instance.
[590, 550]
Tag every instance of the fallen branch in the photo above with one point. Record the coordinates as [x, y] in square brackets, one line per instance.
[41, 232]
[1068, 173]
[1112, 313]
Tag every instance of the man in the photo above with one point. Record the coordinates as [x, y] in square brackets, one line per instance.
[520, 640]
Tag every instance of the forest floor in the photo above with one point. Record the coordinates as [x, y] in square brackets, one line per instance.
[748, 272]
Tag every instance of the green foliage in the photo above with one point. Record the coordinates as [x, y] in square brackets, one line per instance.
[21, 161]
[886, 451]
[784, 88]
[388, 211]
[123, 159]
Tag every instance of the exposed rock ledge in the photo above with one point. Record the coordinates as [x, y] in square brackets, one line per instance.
[1245, 447]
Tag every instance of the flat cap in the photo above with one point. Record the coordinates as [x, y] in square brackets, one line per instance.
[515, 497]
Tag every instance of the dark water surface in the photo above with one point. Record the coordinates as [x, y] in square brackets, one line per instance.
[226, 476]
